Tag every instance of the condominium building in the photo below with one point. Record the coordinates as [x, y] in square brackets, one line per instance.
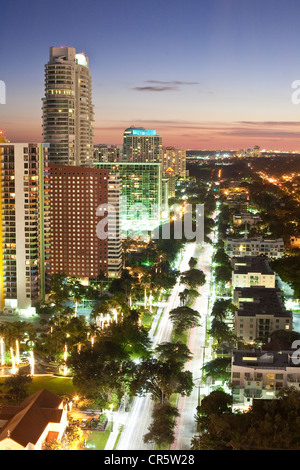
[174, 159]
[141, 145]
[24, 225]
[258, 374]
[259, 312]
[79, 201]
[67, 108]
[251, 271]
[254, 247]
[141, 202]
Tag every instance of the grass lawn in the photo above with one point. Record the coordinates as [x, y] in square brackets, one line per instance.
[96, 440]
[56, 385]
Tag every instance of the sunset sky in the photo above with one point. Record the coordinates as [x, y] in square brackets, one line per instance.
[206, 74]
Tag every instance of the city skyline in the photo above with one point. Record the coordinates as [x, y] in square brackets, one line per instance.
[205, 76]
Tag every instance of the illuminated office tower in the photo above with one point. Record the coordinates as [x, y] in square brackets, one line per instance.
[141, 145]
[141, 201]
[67, 108]
[24, 225]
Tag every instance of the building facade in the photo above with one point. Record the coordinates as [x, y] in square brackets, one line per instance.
[246, 218]
[251, 271]
[254, 247]
[141, 202]
[260, 374]
[24, 225]
[141, 145]
[68, 112]
[105, 153]
[77, 248]
[259, 312]
[175, 159]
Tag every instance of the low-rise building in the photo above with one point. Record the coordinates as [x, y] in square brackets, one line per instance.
[251, 271]
[272, 248]
[259, 374]
[40, 418]
[246, 218]
[259, 312]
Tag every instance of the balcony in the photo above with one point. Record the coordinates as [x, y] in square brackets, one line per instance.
[251, 393]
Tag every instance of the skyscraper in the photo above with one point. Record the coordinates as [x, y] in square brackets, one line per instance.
[24, 224]
[67, 108]
[141, 145]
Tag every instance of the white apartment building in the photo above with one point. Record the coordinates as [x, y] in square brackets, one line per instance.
[258, 374]
[24, 225]
[68, 113]
[259, 312]
[250, 271]
[254, 247]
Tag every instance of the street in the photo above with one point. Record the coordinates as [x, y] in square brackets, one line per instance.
[138, 419]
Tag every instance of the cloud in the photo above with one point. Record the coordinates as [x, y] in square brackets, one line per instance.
[270, 123]
[172, 83]
[160, 85]
[155, 88]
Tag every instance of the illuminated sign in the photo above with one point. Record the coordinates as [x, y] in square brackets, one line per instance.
[142, 132]
[170, 170]
[81, 60]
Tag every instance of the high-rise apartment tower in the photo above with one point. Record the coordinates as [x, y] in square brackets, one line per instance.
[68, 111]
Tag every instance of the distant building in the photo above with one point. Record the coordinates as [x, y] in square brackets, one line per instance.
[39, 419]
[24, 225]
[173, 159]
[258, 374]
[104, 153]
[253, 152]
[259, 312]
[251, 271]
[169, 173]
[254, 247]
[141, 145]
[68, 112]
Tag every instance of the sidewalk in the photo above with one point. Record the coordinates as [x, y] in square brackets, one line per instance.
[119, 420]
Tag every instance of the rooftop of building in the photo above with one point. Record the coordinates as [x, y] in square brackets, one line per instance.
[263, 360]
[251, 264]
[253, 240]
[260, 300]
[25, 423]
[132, 130]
